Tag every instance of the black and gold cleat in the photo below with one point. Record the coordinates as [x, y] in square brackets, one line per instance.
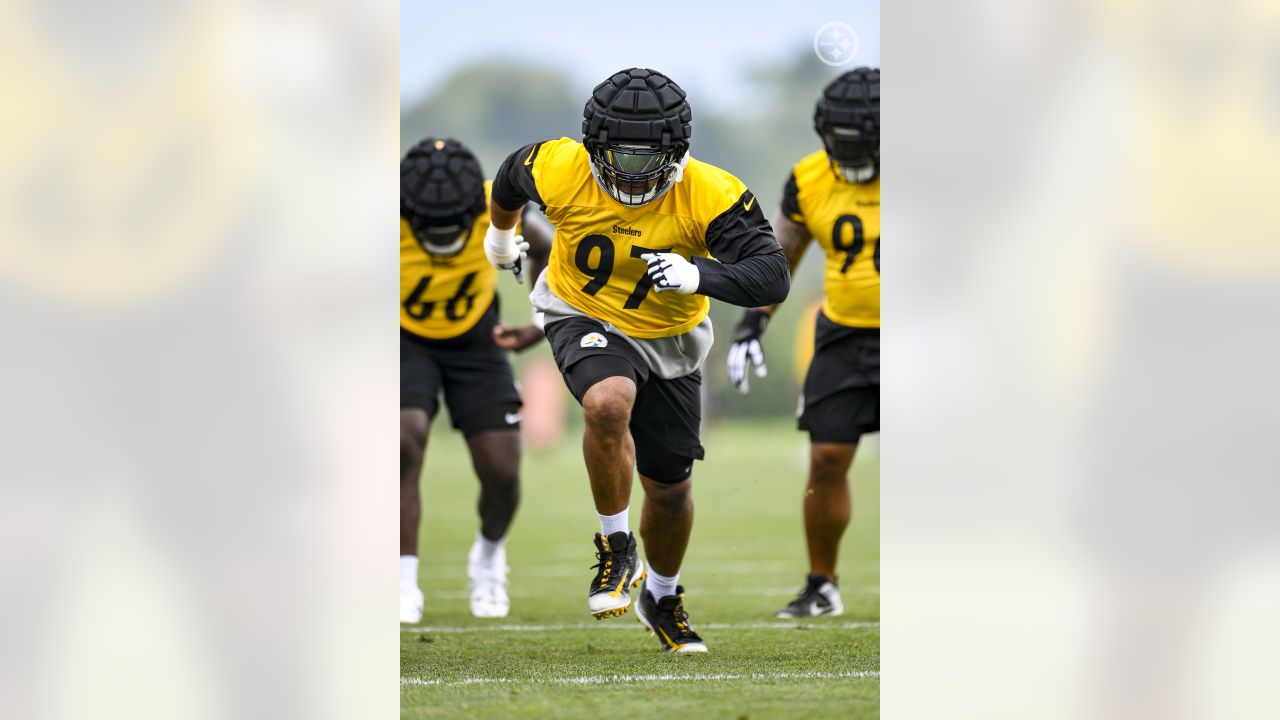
[667, 619]
[619, 570]
[819, 596]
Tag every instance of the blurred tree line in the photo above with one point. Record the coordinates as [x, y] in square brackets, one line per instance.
[495, 107]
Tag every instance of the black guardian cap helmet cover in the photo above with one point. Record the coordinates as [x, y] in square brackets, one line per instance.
[441, 194]
[636, 129]
[847, 118]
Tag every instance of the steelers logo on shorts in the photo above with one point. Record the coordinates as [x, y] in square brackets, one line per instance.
[595, 340]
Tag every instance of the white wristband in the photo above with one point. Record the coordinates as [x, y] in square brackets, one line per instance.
[500, 245]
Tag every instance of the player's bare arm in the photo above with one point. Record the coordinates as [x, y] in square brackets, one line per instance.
[538, 233]
[504, 248]
[504, 219]
[794, 239]
[512, 191]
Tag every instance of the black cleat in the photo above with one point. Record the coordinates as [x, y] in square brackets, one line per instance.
[619, 570]
[819, 596]
[667, 619]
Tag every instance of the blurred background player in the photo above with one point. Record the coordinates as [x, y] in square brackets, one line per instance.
[832, 195]
[451, 340]
[633, 213]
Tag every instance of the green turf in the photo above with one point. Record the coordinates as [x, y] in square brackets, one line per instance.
[745, 560]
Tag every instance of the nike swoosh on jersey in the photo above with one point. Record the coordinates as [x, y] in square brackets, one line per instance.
[529, 160]
[750, 202]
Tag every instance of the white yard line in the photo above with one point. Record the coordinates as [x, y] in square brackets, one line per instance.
[463, 681]
[632, 626]
[759, 592]
[575, 568]
[620, 679]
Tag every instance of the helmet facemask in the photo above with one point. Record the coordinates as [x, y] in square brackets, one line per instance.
[854, 157]
[444, 241]
[636, 174]
[441, 237]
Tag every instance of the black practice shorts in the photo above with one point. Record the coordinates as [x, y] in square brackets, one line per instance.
[476, 378]
[667, 416]
[841, 400]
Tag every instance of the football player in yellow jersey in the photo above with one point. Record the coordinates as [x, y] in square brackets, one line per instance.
[833, 196]
[451, 341]
[645, 235]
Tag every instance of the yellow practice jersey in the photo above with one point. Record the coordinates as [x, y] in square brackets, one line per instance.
[845, 219]
[444, 297]
[595, 263]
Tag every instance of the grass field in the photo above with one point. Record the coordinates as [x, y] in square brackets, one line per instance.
[550, 659]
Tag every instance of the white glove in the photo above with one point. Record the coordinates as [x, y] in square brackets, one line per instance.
[742, 356]
[669, 271]
[746, 349]
[506, 250]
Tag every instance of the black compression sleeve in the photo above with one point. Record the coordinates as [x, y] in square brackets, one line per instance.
[750, 268]
[751, 282]
[513, 186]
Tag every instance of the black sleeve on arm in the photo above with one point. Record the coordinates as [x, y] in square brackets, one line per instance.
[750, 269]
[513, 186]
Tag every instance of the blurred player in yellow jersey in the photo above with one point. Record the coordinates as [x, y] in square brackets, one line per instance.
[451, 341]
[832, 196]
[625, 299]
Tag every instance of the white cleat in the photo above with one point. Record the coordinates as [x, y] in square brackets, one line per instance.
[488, 580]
[410, 604]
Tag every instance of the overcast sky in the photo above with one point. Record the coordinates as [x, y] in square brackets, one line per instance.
[702, 45]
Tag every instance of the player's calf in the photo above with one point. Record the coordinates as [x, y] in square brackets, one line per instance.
[413, 439]
[495, 455]
[827, 505]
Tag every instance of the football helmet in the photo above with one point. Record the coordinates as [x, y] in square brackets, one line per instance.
[441, 194]
[847, 119]
[636, 130]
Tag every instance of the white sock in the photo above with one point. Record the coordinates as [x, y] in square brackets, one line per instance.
[409, 570]
[610, 524]
[660, 586]
[488, 549]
